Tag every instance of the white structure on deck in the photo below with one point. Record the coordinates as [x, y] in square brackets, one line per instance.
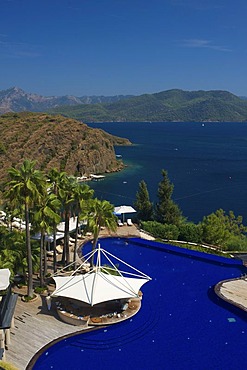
[60, 230]
[99, 284]
[4, 278]
[7, 307]
[72, 225]
[122, 210]
[48, 237]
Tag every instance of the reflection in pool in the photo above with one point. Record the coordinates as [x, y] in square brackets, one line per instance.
[182, 324]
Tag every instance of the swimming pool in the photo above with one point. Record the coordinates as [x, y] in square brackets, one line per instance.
[182, 324]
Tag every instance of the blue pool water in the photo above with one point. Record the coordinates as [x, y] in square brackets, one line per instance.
[182, 324]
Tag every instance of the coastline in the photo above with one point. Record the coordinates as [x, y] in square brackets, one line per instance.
[206, 171]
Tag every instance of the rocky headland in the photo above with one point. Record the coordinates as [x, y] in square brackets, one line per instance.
[58, 142]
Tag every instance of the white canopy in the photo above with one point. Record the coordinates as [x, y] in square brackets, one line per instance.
[124, 209]
[99, 285]
[4, 278]
[72, 225]
[121, 210]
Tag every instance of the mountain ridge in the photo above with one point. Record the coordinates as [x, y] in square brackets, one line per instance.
[15, 99]
[169, 105]
[166, 106]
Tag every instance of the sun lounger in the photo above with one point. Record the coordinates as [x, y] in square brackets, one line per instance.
[119, 222]
[59, 249]
[129, 222]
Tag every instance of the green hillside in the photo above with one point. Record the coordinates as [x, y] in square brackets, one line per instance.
[167, 106]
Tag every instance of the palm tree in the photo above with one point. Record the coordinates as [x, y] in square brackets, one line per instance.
[26, 186]
[66, 196]
[82, 195]
[11, 246]
[7, 260]
[45, 216]
[12, 210]
[100, 215]
[13, 250]
[55, 179]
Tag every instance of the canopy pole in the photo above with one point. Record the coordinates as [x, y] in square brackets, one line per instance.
[125, 263]
[95, 275]
[98, 262]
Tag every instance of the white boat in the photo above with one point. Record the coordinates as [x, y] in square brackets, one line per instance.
[97, 177]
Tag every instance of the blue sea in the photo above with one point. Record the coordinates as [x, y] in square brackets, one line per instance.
[207, 163]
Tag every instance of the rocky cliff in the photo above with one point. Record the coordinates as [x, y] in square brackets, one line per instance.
[56, 142]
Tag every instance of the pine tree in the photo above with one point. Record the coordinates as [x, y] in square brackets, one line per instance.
[142, 204]
[166, 210]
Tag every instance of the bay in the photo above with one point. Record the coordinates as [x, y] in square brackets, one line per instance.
[207, 163]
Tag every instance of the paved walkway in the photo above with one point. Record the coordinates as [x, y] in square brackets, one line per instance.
[122, 231]
[128, 231]
[233, 291]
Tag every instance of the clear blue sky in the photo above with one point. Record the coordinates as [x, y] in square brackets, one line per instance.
[108, 47]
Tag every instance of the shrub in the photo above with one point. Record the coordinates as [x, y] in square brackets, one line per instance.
[94, 147]
[190, 232]
[27, 298]
[236, 243]
[163, 231]
[2, 148]
[40, 289]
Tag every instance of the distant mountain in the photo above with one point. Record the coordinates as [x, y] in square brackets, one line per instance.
[171, 105]
[17, 100]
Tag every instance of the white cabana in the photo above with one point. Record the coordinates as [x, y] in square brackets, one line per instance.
[72, 225]
[4, 278]
[99, 285]
[122, 210]
[48, 238]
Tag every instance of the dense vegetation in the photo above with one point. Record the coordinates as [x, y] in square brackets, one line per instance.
[164, 220]
[166, 106]
[56, 141]
[41, 200]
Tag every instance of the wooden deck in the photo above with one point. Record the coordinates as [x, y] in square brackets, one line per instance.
[34, 327]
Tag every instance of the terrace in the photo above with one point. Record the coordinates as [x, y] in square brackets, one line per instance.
[183, 296]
